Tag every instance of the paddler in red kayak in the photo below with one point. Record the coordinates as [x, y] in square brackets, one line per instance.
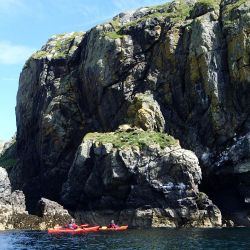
[72, 224]
[112, 225]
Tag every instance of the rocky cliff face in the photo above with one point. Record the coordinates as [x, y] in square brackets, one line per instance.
[181, 68]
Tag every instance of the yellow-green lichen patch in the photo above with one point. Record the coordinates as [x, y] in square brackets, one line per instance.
[134, 138]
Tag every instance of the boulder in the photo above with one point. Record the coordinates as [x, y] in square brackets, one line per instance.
[52, 213]
[50, 208]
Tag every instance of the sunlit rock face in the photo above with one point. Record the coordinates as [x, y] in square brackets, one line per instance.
[181, 68]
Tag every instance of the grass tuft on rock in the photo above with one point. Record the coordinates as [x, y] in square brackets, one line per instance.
[113, 35]
[138, 138]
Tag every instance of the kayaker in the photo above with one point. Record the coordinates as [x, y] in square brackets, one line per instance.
[112, 225]
[72, 224]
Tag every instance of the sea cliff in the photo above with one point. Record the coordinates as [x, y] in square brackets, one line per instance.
[144, 118]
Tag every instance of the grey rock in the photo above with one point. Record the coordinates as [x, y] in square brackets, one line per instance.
[5, 188]
[18, 202]
[50, 208]
[12, 204]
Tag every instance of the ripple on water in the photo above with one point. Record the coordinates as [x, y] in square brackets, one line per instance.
[237, 238]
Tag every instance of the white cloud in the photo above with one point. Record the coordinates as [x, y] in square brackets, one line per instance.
[14, 54]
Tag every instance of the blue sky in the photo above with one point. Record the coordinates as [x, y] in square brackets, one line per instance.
[26, 25]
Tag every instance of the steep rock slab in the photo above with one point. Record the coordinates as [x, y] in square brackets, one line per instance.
[48, 125]
[147, 173]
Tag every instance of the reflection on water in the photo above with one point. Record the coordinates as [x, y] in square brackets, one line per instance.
[237, 238]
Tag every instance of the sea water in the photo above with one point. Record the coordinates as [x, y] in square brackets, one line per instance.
[232, 238]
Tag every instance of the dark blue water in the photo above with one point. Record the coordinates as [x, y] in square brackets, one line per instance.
[237, 238]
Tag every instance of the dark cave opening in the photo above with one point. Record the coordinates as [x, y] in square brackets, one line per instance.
[223, 190]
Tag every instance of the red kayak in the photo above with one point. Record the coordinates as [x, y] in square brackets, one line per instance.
[121, 228]
[74, 231]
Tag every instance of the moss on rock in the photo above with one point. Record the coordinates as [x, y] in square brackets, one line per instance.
[137, 138]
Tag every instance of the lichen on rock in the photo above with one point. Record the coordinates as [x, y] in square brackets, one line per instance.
[145, 113]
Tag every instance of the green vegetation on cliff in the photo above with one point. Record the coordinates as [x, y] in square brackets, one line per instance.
[134, 138]
[208, 3]
[175, 12]
[58, 46]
